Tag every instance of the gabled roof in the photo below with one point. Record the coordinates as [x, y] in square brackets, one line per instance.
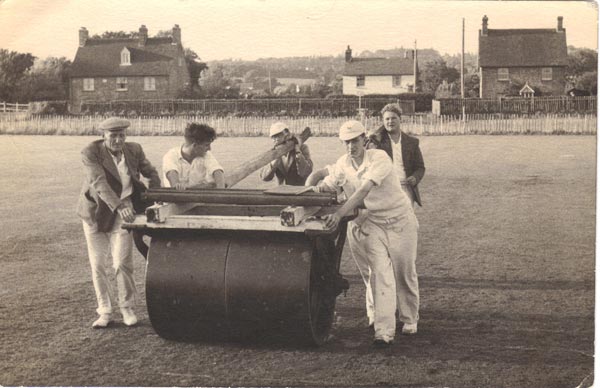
[102, 58]
[379, 66]
[523, 47]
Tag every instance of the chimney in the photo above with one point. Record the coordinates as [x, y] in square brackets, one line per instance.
[83, 36]
[559, 25]
[176, 34]
[484, 27]
[348, 54]
[143, 36]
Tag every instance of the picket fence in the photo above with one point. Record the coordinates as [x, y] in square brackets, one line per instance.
[515, 105]
[491, 124]
[6, 107]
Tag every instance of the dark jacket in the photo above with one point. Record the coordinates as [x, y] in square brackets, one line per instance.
[411, 155]
[300, 168]
[101, 192]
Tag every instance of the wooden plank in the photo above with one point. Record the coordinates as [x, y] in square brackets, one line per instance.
[269, 223]
[160, 213]
[248, 167]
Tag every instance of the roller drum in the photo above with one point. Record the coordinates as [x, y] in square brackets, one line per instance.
[213, 285]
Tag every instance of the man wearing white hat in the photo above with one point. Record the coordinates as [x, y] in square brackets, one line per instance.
[111, 195]
[292, 168]
[385, 236]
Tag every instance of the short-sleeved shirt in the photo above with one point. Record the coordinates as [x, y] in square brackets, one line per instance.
[386, 199]
[200, 171]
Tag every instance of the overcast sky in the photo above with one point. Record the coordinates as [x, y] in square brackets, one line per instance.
[251, 29]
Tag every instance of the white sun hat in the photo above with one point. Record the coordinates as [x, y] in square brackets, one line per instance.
[351, 129]
[277, 128]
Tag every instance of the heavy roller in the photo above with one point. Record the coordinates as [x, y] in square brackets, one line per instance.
[231, 264]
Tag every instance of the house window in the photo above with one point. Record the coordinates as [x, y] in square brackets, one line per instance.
[125, 57]
[121, 83]
[360, 81]
[149, 83]
[88, 84]
[546, 74]
[503, 74]
[396, 81]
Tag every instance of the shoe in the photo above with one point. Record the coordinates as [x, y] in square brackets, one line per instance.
[381, 343]
[102, 321]
[129, 317]
[409, 328]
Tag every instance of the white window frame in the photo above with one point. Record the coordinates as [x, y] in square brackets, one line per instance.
[396, 81]
[149, 83]
[546, 74]
[121, 83]
[125, 57]
[88, 84]
[360, 84]
[503, 74]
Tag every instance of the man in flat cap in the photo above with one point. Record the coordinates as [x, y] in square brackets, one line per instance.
[110, 196]
[292, 168]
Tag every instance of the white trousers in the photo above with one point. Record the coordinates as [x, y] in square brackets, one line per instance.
[118, 244]
[385, 252]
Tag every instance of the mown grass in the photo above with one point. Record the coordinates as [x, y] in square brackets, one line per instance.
[506, 265]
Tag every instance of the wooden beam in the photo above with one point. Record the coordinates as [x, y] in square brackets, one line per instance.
[248, 167]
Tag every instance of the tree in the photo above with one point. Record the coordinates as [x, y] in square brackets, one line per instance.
[588, 81]
[47, 80]
[434, 72]
[195, 66]
[215, 85]
[581, 60]
[116, 35]
[13, 67]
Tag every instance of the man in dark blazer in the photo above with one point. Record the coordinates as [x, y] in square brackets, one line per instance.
[111, 195]
[402, 148]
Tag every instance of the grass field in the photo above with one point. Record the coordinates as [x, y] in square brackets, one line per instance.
[506, 265]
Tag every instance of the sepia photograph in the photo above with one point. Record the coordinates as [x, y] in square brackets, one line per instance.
[318, 193]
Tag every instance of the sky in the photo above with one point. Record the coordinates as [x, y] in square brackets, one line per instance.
[252, 29]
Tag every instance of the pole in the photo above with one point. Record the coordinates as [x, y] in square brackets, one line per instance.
[462, 62]
[415, 68]
[462, 70]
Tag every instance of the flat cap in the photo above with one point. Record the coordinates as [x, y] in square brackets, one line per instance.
[114, 124]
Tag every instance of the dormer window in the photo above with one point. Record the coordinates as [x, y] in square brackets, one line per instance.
[125, 57]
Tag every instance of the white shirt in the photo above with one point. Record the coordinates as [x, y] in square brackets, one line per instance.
[386, 199]
[200, 171]
[398, 164]
[124, 175]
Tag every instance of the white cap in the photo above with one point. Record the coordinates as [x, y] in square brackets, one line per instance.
[277, 128]
[351, 129]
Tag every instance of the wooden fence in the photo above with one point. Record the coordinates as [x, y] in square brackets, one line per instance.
[6, 107]
[250, 107]
[258, 126]
[554, 104]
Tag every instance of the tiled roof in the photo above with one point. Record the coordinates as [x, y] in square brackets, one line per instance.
[379, 66]
[523, 47]
[102, 57]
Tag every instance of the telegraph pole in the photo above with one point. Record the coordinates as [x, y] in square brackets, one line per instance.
[462, 62]
[462, 71]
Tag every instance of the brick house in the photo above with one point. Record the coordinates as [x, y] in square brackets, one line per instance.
[511, 58]
[139, 68]
[379, 75]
